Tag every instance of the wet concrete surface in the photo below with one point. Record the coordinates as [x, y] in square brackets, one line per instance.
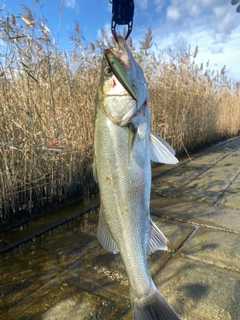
[63, 272]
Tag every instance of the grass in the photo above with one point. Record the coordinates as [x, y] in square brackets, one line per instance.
[47, 112]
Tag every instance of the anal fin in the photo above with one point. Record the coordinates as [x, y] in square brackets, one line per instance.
[104, 235]
[156, 239]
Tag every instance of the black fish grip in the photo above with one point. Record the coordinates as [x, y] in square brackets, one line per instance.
[122, 14]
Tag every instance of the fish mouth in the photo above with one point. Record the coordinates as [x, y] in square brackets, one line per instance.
[118, 69]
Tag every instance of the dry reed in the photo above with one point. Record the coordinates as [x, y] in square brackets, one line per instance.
[47, 113]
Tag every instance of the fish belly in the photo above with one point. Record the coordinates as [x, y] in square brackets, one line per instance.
[124, 182]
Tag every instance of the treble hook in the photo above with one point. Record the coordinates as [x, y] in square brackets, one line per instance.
[122, 14]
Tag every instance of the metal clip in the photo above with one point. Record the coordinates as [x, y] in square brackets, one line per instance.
[122, 14]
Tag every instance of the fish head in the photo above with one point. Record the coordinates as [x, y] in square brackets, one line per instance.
[123, 87]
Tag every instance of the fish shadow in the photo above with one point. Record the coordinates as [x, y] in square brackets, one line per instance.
[195, 291]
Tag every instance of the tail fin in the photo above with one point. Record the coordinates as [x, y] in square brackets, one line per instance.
[155, 308]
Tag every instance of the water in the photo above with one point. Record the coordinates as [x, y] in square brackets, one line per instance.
[35, 276]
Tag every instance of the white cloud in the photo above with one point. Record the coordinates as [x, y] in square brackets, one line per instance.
[143, 4]
[217, 49]
[212, 25]
[159, 5]
[194, 10]
[173, 14]
[211, 3]
[70, 4]
[224, 21]
[219, 11]
[221, 15]
[107, 30]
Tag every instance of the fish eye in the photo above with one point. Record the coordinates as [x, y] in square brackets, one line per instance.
[108, 71]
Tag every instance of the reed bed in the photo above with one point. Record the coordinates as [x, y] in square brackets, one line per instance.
[47, 112]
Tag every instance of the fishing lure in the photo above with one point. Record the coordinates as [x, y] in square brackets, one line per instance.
[119, 73]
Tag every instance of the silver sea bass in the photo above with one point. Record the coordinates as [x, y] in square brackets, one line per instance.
[123, 148]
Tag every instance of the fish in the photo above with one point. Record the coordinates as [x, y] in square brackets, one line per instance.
[123, 149]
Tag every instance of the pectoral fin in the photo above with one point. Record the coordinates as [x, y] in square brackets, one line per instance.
[161, 151]
[156, 239]
[132, 106]
[104, 235]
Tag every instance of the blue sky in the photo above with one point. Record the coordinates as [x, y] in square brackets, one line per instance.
[213, 25]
